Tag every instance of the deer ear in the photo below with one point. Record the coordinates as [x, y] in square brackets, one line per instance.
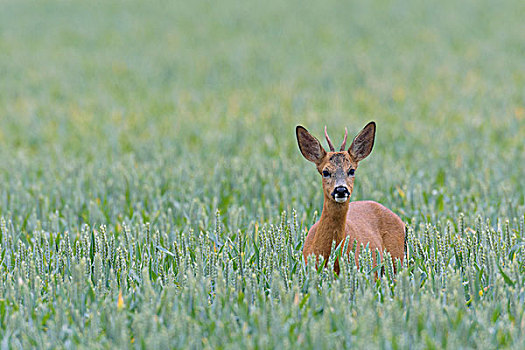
[363, 143]
[310, 147]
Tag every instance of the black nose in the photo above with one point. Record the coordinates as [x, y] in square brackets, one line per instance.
[341, 191]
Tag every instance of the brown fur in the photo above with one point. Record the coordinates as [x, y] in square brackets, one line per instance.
[367, 222]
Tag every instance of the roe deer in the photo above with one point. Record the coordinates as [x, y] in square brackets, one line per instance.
[367, 222]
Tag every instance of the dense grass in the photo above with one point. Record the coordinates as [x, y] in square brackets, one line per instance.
[127, 127]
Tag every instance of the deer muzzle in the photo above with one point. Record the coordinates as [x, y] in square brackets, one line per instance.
[340, 194]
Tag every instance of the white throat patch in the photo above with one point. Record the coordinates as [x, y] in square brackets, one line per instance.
[341, 199]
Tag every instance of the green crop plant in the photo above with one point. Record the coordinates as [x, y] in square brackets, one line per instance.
[152, 194]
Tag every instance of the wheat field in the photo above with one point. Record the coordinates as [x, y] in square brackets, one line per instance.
[152, 194]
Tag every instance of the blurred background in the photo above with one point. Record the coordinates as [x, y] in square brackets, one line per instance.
[163, 112]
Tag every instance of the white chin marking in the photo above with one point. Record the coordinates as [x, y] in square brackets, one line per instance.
[340, 199]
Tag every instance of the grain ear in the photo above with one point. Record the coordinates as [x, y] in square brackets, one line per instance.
[363, 142]
[310, 147]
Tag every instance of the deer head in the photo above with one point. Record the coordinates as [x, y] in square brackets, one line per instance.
[337, 168]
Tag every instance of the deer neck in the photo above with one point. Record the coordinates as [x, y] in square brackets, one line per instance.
[332, 226]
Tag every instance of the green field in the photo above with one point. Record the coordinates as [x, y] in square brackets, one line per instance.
[147, 150]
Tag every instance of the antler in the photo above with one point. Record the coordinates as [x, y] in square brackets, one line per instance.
[344, 141]
[329, 141]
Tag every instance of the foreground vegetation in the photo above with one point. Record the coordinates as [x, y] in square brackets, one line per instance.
[152, 193]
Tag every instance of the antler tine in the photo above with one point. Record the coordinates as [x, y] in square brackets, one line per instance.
[329, 141]
[344, 141]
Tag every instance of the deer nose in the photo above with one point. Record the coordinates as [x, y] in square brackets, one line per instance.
[340, 191]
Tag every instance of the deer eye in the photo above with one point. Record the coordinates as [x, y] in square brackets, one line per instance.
[351, 172]
[326, 173]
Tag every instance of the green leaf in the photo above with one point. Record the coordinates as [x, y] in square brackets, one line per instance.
[506, 278]
[164, 250]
